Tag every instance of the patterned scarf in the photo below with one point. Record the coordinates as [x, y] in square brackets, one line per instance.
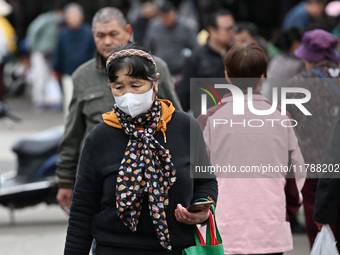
[146, 168]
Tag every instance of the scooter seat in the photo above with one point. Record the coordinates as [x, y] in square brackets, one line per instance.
[40, 143]
[17, 193]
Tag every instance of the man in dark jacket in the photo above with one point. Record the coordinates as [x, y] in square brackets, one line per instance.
[170, 37]
[327, 201]
[321, 79]
[91, 97]
[207, 61]
[304, 14]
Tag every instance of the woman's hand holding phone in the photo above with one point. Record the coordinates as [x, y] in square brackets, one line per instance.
[191, 218]
[199, 206]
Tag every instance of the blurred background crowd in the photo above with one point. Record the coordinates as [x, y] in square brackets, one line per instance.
[44, 42]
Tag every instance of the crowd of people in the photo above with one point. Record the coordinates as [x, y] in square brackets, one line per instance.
[134, 133]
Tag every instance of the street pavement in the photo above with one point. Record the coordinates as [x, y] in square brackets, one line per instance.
[41, 229]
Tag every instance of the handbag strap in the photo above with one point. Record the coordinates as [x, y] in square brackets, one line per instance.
[198, 237]
[322, 75]
[213, 235]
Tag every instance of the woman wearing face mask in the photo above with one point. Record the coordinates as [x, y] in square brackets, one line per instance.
[134, 178]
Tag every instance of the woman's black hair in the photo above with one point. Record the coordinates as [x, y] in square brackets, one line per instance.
[248, 26]
[212, 15]
[284, 39]
[138, 67]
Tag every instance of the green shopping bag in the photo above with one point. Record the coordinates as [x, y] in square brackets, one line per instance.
[213, 246]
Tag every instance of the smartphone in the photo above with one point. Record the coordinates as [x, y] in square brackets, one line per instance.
[199, 206]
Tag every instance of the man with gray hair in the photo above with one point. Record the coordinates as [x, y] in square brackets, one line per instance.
[91, 97]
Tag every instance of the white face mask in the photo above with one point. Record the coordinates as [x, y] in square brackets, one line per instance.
[135, 104]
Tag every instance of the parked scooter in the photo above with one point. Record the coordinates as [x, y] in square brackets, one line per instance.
[34, 180]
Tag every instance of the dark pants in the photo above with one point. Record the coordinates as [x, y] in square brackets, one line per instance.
[280, 253]
[109, 250]
[2, 86]
[308, 192]
[336, 231]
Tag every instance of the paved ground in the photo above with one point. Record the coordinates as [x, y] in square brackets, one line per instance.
[41, 230]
